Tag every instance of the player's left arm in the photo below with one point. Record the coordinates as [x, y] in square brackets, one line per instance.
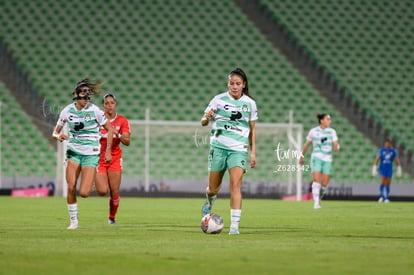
[336, 146]
[125, 133]
[252, 143]
[335, 141]
[398, 163]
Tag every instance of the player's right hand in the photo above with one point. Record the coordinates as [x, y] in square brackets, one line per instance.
[62, 137]
[210, 114]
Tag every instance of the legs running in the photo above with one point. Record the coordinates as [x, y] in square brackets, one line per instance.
[324, 183]
[386, 182]
[114, 183]
[319, 186]
[73, 170]
[101, 183]
[236, 178]
[316, 188]
[72, 173]
[214, 184]
[87, 179]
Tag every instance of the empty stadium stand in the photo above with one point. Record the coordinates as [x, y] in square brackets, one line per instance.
[174, 56]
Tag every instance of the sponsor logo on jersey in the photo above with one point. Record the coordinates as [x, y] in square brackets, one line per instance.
[229, 127]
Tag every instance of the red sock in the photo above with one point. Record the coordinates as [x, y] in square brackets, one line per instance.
[113, 206]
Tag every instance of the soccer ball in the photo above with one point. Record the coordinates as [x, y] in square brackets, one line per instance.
[212, 224]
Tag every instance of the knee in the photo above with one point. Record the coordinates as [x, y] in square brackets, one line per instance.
[84, 194]
[102, 191]
[235, 188]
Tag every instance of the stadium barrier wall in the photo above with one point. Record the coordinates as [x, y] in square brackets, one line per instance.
[190, 188]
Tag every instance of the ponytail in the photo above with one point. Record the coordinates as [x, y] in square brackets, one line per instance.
[96, 88]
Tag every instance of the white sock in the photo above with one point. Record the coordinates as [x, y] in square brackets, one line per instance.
[235, 218]
[316, 188]
[73, 212]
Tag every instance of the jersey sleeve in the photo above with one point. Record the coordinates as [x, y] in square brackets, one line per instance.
[309, 137]
[100, 116]
[211, 106]
[125, 128]
[334, 136]
[62, 117]
[379, 152]
[395, 153]
[254, 114]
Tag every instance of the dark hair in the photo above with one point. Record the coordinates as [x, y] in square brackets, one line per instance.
[243, 76]
[96, 88]
[108, 95]
[321, 116]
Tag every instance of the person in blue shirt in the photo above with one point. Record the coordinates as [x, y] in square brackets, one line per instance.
[386, 157]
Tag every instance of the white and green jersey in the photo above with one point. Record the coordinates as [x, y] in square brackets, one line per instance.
[322, 140]
[230, 124]
[84, 134]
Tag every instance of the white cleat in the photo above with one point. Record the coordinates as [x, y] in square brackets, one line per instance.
[387, 200]
[317, 206]
[73, 225]
[234, 231]
[380, 200]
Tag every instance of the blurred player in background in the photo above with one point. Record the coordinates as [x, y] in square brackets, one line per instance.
[109, 174]
[233, 115]
[322, 138]
[84, 119]
[386, 156]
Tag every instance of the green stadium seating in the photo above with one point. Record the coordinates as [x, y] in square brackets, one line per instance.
[173, 57]
[24, 149]
[361, 42]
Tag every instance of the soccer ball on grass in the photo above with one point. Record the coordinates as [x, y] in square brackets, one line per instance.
[212, 224]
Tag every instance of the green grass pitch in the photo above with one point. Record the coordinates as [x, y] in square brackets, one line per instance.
[163, 236]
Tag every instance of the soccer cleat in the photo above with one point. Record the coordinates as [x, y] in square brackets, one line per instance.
[73, 225]
[206, 209]
[317, 206]
[111, 221]
[234, 231]
[386, 200]
[381, 199]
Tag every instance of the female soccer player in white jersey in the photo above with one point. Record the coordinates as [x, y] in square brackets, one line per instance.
[109, 174]
[233, 115]
[84, 119]
[322, 138]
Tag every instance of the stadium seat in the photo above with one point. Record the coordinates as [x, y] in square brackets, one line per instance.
[173, 58]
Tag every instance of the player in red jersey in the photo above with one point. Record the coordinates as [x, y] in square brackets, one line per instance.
[109, 174]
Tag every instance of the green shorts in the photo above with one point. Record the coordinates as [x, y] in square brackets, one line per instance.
[318, 165]
[83, 160]
[221, 159]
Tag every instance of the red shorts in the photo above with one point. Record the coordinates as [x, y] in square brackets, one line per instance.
[114, 165]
